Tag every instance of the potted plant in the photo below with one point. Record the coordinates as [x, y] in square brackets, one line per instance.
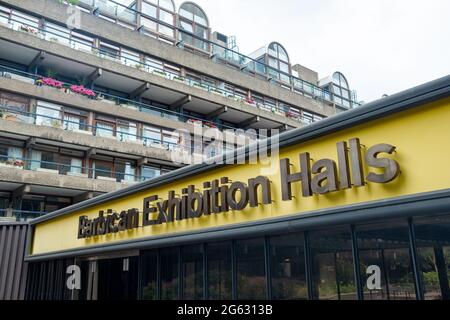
[55, 123]
[138, 66]
[178, 79]
[159, 73]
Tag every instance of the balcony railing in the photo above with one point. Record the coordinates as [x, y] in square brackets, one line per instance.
[69, 170]
[66, 39]
[19, 215]
[11, 114]
[243, 62]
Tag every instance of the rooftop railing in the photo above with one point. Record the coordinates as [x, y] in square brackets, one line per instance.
[243, 62]
[66, 39]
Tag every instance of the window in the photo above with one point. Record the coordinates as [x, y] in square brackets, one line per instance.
[150, 172]
[192, 266]
[125, 171]
[332, 265]
[126, 131]
[219, 271]
[162, 11]
[386, 247]
[278, 60]
[169, 273]
[151, 135]
[251, 279]
[104, 129]
[149, 275]
[287, 260]
[193, 20]
[433, 246]
[48, 114]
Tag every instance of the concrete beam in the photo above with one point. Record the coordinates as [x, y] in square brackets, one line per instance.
[181, 102]
[20, 191]
[142, 161]
[91, 152]
[217, 113]
[37, 61]
[140, 91]
[97, 73]
[247, 123]
[283, 128]
[83, 197]
[31, 142]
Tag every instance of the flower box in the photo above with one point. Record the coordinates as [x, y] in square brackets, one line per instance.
[249, 102]
[50, 82]
[218, 92]
[83, 91]
[159, 73]
[28, 29]
[200, 86]
[11, 164]
[279, 112]
[11, 117]
[178, 79]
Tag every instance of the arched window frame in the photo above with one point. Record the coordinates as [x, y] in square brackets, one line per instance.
[155, 21]
[194, 26]
[278, 61]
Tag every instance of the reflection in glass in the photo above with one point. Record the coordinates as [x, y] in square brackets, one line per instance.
[219, 271]
[433, 246]
[149, 275]
[332, 265]
[169, 273]
[386, 246]
[251, 273]
[287, 261]
[193, 272]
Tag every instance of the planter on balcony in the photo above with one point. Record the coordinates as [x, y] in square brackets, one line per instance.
[12, 164]
[178, 79]
[217, 92]
[200, 86]
[159, 73]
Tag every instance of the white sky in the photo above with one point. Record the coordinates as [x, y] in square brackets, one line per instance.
[381, 46]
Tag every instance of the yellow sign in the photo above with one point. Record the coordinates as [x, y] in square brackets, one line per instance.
[421, 138]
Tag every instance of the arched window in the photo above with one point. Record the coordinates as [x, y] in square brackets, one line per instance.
[194, 26]
[278, 60]
[339, 79]
[158, 16]
[341, 90]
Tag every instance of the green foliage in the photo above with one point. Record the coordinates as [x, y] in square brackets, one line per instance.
[71, 2]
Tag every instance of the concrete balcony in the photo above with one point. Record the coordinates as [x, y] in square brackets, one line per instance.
[51, 10]
[52, 183]
[59, 137]
[117, 76]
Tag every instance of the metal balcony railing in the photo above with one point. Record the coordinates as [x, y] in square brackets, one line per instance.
[66, 39]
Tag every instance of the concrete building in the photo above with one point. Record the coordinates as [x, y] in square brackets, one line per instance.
[90, 95]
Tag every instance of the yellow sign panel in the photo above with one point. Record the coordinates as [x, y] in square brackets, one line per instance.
[421, 138]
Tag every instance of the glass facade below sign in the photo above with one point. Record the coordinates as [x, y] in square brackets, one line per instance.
[404, 259]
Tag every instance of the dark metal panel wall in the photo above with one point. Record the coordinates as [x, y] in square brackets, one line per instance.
[13, 239]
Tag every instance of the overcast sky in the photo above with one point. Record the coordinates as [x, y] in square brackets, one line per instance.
[381, 46]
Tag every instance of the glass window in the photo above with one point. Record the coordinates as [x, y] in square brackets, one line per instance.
[103, 169]
[167, 4]
[48, 115]
[433, 246]
[166, 17]
[332, 265]
[219, 271]
[287, 261]
[192, 264]
[386, 247]
[150, 172]
[104, 129]
[251, 273]
[169, 273]
[149, 10]
[149, 275]
[151, 25]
